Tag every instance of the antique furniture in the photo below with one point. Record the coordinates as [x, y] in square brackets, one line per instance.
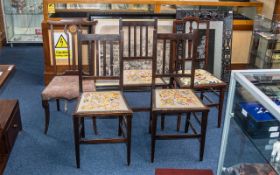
[5, 72]
[176, 101]
[250, 140]
[165, 171]
[204, 81]
[101, 104]
[65, 8]
[10, 125]
[65, 85]
[22, 20]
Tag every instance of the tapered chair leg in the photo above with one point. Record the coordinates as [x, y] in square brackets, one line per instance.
[76, 124]
[83, 134]
[220, 107]
[46, 107]
[120, 126]
[162, 122]
[203, 134]
[94, 125]
[179, 118]
[153, 136]
[57, 104]
[187, 122]
[128, 139]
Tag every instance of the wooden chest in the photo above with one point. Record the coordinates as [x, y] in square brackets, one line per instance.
[10, 125]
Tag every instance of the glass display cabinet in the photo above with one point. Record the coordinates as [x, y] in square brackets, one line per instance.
[250, 142]
[265, 44]
[22, 19]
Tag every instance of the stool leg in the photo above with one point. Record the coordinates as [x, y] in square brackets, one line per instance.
[187, 122]
[128, 138]
[153, 135]
[203, 134]
[220, 107]
[76, 124]
[46, 107]
[179, 118]
[120, 125]
[57, 104]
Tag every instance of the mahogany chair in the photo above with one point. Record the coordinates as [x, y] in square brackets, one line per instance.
[204, 81]
[102, 49]
[177, 101]
[65, 83]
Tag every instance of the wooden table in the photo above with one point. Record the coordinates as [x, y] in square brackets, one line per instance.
[5, 71]
[10, 126]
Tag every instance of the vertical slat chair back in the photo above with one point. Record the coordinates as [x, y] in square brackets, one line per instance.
[104, 54]
[168, 63]
[138, 42]
[187, 25]
[68, 29]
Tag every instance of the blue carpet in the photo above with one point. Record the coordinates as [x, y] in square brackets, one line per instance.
[36, 153]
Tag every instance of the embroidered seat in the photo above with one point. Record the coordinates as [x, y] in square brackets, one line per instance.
[176, 99]
[66, 87]
[202, 77]
[106, 101]
[138, 77]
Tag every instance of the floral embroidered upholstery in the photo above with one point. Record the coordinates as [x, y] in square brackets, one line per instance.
[202, 77]
[66, 87]
[102, 101]
[176, 99]
[134, 77]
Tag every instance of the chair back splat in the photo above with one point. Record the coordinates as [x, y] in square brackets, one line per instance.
[104, 53]
[138, 52]
[168, 63]
[187, 25]
[66, 31]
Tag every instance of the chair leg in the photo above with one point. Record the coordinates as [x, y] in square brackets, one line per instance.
[76, 124]
[179, 118]
[46, 107]
[201, 95]
[58, 104]
[162, 119]
[203, 134]
[83, 128]
[94, 125]
[187, 122]
[120, 126]
[128, 139]
[220, 107]
[153, 136]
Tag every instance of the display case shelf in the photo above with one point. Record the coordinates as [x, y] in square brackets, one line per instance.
[252, 124]
[22, 19]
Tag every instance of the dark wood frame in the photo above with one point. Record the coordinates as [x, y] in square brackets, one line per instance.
[125, 117]
[70, 69]
[217, 89]
[177, 63]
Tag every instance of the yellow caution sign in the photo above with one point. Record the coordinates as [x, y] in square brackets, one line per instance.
[62, 54]
[61, 43]
[63, 47]
[51, 8]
